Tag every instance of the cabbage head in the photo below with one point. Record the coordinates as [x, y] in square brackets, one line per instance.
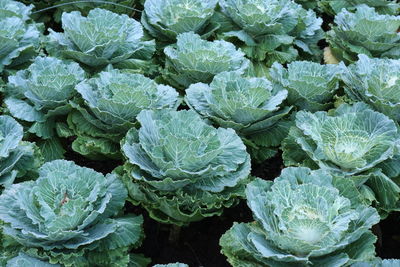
[100, 39]
[108, 108]
[193, 60]
[351, 141]
[311, 86]
[251, 106]
[166, 19]
[19, 38]
[376, 82]
[364, 32]
[39, 95]
[334, 7]
[70, 216]
[181, 169]
[303, 218]
[17, 158]
[272, 30]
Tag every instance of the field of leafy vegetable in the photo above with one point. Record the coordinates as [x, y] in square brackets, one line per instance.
[245, 133]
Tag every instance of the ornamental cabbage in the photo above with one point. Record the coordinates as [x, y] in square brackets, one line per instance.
[272, 30]
[69, 216]
[165, 20]
[334, 7]
[61, 6]
[9, 8]
[311, 86]
[102, 38]
[17, 158]
[193, 60]
[302, 219]
[364, 32]
[351, 142]
[108, 109]
[251, 106]
[181, 169]
[376, 82]
[39, 95]
[19, 40]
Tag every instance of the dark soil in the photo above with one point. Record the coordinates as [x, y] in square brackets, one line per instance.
[198, 243]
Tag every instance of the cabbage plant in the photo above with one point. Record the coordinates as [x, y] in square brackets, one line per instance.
[351, 141]
[302, 219]
[181, 169]
[334, 7]
[20, 39]
[39, 95]
[193, 60]
[364, 32]
[102, 38]
[251, 106]
[108, 108]
[9, 8]
[61, 6]
[165, 20]
[376, 82]
[272, 30]
[17, 158]
[311, 86]
[70, 216]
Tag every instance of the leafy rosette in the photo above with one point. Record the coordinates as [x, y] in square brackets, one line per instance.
[19, 40]
[17, 158]
[69, 216]
[251, 106]
[271, 30]
[181, 169]
[165, 20]
[334, 7]
[39, 96]
[100, 39]
[303, 218]
[193, 60]
[311, 86]
[351, 142]
[108, 108]
[364, 32]
[376, 82]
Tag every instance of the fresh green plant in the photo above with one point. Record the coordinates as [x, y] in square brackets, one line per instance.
[181, 169]
[166, 19]
[17, 158]
[61, 6]
[108, 109]
[40, 94]
[272, 30]
[102, 38]
[250, 106]
[19, 38]
[193, 60]
[69, 216]
[351, 142]
[311, 86]
[334, 7]
[24, 260]
[364, 32]
[303, 218]
[9, 8]
[376, 82]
